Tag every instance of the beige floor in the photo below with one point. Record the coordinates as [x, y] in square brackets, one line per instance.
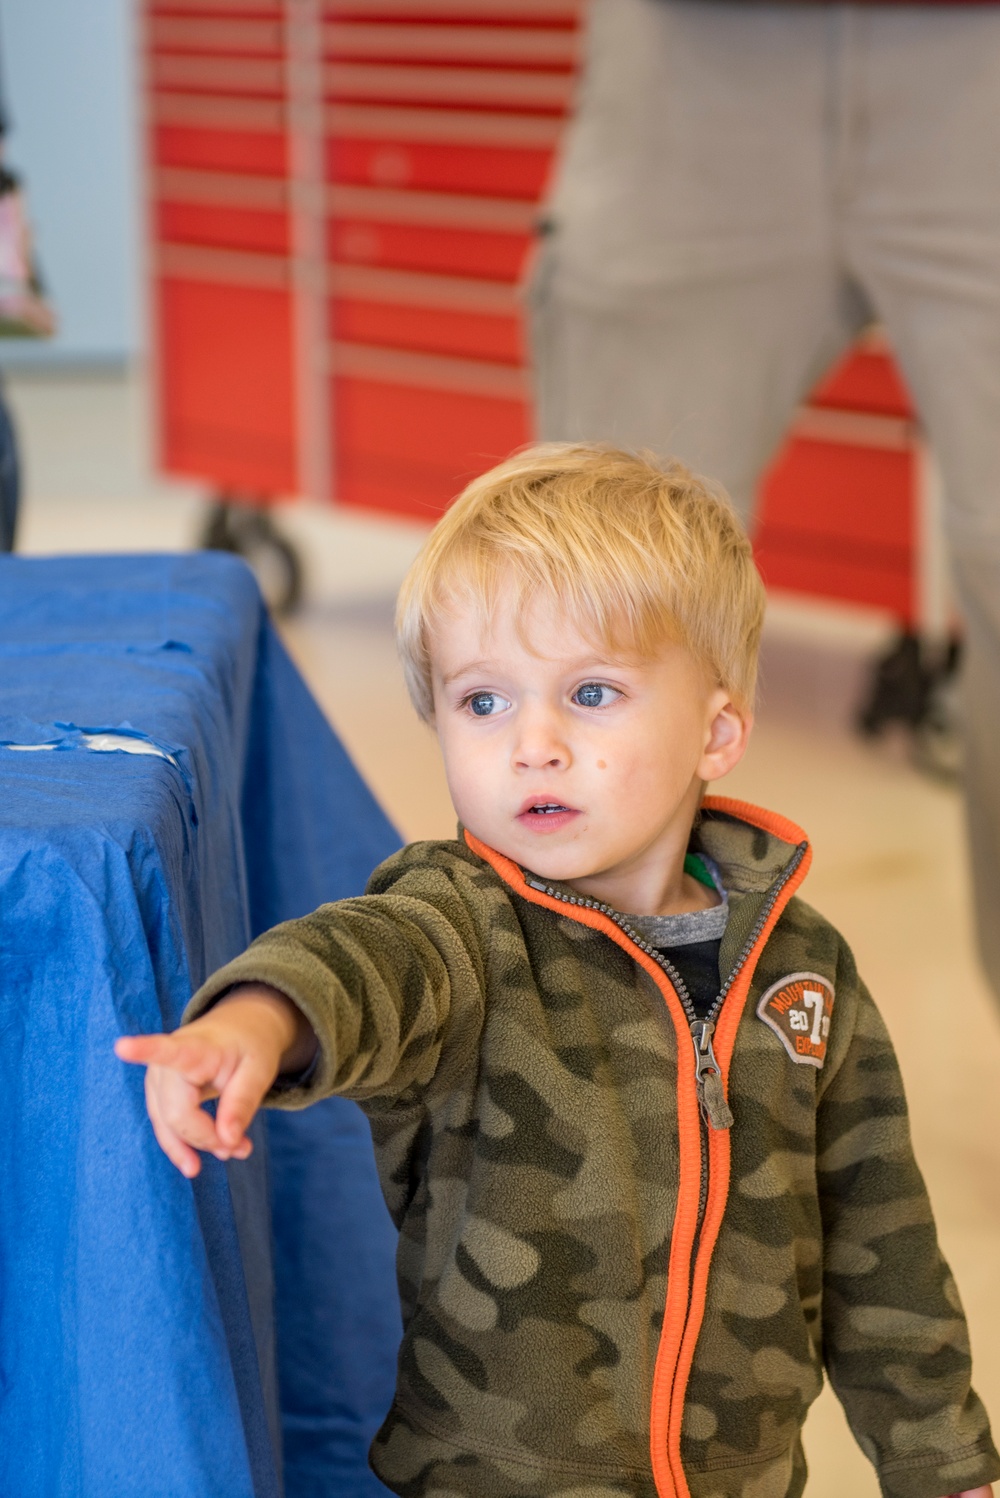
[889, 865]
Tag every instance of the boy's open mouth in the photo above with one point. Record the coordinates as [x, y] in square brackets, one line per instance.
[545, 813]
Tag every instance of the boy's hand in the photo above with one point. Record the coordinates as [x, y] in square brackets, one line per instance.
[234, 1052]
[986, 1492]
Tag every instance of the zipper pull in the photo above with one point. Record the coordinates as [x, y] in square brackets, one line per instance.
[708, 1077]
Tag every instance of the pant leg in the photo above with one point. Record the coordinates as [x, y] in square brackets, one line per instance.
[687, 294]
[709, 373]
[921, 228]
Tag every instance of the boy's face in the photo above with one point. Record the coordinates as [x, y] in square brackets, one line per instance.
[578, 765]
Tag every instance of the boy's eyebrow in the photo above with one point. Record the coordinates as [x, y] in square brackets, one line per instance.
[463, 671]
[582, 663]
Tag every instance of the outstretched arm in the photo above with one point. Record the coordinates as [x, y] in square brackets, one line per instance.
[372, 990]
[233, 1053]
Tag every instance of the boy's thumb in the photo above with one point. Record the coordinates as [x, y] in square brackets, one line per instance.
[240, 1099]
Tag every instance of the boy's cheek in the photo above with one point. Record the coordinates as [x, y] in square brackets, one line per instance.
[463, 798]
[470, 768]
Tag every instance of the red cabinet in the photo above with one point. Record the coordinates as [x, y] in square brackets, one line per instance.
[343, 197]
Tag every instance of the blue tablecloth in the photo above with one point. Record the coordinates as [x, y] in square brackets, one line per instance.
[138, 1333]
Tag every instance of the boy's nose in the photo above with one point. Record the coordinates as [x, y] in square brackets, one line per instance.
[539, 744]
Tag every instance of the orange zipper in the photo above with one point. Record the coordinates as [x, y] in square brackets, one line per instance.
[692, 1242]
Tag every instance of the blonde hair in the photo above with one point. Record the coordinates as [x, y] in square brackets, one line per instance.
[635, 550]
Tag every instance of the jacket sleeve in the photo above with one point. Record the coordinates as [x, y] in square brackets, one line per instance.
[389, 982]
[895, 1339]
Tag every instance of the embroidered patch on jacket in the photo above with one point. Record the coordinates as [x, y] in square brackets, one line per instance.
[798, 1010]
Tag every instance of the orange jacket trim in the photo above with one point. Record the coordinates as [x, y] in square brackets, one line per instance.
[686, 1286]
[724, 1041]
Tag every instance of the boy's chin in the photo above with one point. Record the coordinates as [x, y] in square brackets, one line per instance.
[528, 852]
[562, 865]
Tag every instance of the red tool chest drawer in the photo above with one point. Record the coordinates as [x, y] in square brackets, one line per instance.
[459, 252]
[218, 150]
[518, 171]
[409, 445]
[460, 334]
[430, 314]
[229, 228]
[227, 408]
[866, 381]
[389, 156]
[466, 88]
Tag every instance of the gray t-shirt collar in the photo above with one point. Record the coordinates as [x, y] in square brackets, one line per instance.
[684, 930]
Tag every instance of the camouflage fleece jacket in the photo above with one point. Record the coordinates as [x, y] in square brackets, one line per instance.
[611, 1283]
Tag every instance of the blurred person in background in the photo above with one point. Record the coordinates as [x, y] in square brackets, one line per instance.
[745, 187]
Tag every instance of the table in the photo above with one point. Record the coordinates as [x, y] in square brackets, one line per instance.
[146, 1323]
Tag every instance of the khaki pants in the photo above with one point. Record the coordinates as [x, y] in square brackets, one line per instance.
[744, 187]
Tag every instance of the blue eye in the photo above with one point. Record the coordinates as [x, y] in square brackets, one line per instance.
[594, 694]
[487, 704]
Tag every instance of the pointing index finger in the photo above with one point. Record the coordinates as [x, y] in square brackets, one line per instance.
[193, 1056]
[144, 1050]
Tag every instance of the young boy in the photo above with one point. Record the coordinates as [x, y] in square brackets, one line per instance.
[638, 1121]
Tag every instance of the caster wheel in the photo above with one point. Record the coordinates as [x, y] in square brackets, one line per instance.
[915, 686]
[900, 684]
[938, 748]
[249, 532]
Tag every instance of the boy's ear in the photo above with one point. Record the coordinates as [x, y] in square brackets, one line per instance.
[728, 731]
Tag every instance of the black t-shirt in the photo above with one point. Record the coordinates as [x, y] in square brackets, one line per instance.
[698, 964]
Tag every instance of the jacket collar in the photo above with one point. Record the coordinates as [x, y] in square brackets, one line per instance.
[754, 849]
[751, 846]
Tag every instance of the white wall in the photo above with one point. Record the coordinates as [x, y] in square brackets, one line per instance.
[68, 74]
